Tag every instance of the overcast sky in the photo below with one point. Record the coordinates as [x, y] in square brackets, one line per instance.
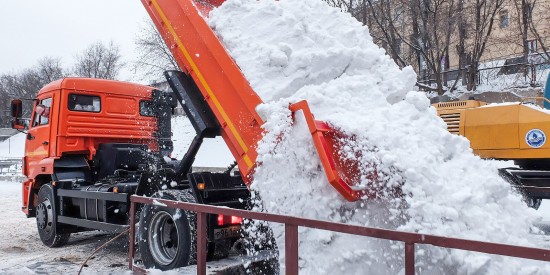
[32, 29]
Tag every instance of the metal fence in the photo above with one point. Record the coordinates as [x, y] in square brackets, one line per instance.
[502, 75]
[9, 164]
[291, 236]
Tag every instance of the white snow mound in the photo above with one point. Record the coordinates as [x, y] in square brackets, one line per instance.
[291, 50]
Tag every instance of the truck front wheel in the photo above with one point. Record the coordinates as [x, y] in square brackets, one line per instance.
[167, 235]
[46, 219]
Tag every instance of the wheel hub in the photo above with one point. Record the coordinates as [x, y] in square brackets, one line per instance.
[44, 214]
[163, 238]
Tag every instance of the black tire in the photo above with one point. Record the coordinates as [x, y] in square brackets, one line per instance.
[51, 234]
[166, 242]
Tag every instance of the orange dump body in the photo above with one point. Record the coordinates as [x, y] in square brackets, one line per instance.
[199, 52]
[228, 93]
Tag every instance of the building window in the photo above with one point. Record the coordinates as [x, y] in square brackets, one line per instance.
[504, 19]
[532, 46]
[84, 103]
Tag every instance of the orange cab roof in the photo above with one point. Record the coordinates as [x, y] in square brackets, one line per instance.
[99, 85]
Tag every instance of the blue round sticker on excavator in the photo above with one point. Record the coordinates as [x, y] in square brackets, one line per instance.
[535, 138]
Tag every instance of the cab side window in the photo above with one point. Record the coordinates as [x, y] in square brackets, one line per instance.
[146, 108]
[84, 103]
[42, 112]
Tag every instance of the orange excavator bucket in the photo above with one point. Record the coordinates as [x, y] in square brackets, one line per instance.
[201, 55]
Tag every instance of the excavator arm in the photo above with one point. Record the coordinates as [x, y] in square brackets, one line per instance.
[228, 93]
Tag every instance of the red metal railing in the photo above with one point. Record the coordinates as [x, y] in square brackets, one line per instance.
[291, 236]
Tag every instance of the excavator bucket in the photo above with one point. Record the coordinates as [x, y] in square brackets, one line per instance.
[202, 56]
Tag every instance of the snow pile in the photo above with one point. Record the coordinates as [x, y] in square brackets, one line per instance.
[291, 50]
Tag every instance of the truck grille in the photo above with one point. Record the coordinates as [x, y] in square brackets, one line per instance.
[453, 122]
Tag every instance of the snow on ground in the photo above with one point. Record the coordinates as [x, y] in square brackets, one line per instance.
[22, 252]
[14, 147]
[302, 49]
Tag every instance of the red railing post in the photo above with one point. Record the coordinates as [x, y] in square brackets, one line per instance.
[291, 249]
[132, 235]
[409, 258]
[201, 243]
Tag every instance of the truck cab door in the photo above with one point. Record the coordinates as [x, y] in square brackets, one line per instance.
[37, 146]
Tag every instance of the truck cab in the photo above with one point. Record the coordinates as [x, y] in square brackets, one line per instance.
[72, 117]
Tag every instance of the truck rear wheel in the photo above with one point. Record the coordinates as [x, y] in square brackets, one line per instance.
[46, 219]
[167, 235]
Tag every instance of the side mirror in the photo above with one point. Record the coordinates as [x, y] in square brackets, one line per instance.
[16, 108]
[18, 124]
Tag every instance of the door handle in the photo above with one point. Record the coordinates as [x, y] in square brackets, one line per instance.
[45, 143]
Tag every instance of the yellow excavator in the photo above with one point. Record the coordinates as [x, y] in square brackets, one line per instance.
[508, 131]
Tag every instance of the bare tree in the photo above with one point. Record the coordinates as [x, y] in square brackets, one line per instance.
[386, 21]
[99, 61]
[49, 69]
[532, 28]
[344, 5]
[483, 14]
[434, 24]
[154, 56]
[384, 18]
[463, 31]
[537, 24]
[538, 30]
[415, 32]
[423, 33]
[27, 83]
